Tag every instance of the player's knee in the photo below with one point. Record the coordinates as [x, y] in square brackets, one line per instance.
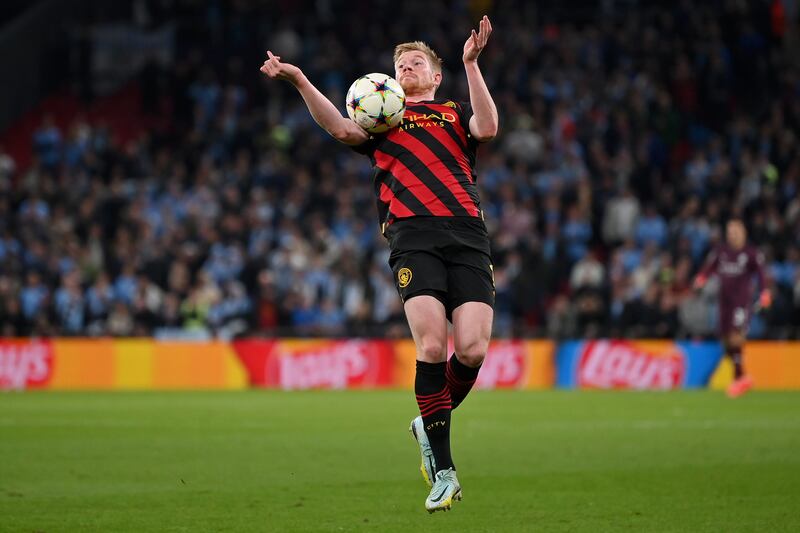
[736, 340]
[432, 350]
[472, 353]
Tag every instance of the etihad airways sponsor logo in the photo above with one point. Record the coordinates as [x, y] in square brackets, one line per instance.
[621, 365]
[413, 120]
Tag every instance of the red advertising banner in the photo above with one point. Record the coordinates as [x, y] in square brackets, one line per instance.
[25, 363]
[610, 364]
[318, 364]
[509, 364]
[505, 366]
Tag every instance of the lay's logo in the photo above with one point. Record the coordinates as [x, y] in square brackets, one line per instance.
[504, 366]
[25, 364]
[622, 365]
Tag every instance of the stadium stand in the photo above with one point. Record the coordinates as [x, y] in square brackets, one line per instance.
[194, 199]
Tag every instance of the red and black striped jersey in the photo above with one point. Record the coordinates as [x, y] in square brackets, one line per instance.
[426, 165]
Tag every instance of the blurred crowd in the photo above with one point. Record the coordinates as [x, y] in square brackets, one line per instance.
[629, 133]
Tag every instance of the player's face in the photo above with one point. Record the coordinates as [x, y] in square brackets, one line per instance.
[735, 234]
[414, 73]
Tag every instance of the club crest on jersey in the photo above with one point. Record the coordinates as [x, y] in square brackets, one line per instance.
[404, 277]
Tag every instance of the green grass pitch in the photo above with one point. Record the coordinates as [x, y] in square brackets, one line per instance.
[344, 461]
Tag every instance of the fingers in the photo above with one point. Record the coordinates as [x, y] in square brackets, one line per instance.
[272, 58]
[485, 29]
[480, 38]
[272, 65]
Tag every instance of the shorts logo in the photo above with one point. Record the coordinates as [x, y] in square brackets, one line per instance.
[404, 277]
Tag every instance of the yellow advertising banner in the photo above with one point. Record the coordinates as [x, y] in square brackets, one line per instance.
[772, 365]
[124, 364]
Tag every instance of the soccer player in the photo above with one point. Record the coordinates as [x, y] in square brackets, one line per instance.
[429, 211]
[735, 263]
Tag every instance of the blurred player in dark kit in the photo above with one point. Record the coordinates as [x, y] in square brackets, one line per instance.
[735, 263]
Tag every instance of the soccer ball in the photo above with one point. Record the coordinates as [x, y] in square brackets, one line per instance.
[376, 102]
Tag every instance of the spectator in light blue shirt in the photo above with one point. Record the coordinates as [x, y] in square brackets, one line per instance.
[651, 228]
[33, 296]
[783, 272]
[69, 304]
[125, 285]
[9, 246]
[47, 143]
[100, 297]
[576, 232]
[631, 256]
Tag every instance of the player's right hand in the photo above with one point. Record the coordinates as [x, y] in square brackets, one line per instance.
[275, 69]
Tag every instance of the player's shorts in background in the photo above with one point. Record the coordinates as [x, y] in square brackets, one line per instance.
[448, 258]
[734, 316]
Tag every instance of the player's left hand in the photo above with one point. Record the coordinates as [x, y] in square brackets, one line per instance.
[765, 300]
[476, 41]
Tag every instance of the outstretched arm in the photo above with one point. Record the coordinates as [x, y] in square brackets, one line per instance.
[765, 297]
[484, 122]
[708, 268]
[324, 112]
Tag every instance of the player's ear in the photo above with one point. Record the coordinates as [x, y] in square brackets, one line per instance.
[437, 79]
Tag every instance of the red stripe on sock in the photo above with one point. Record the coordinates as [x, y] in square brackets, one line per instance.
[451, 376]
[439, 394]
[435, 408]
[425, 403]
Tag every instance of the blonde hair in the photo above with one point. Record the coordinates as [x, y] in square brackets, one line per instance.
[434, 60]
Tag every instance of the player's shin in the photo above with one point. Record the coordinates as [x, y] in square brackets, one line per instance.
[433, 399]
[735, 353]
[460, 379]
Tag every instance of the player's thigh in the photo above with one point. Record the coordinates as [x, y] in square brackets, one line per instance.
[734, 322]
[418, 271]
[469, 279]
[426, 318]
[472, 331]
[470, 285]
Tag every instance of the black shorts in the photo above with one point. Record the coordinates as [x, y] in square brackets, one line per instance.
[734, 316]
[445, 257]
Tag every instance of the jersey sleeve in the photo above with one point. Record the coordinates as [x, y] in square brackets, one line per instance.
[710, 266]
[758, 269]
[465, 114]
[367, 147]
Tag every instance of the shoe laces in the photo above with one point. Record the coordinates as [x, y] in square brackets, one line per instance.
[444, 475]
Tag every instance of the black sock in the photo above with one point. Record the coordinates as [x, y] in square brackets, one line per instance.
[735, 353]
[433, 399]
[460, 379]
